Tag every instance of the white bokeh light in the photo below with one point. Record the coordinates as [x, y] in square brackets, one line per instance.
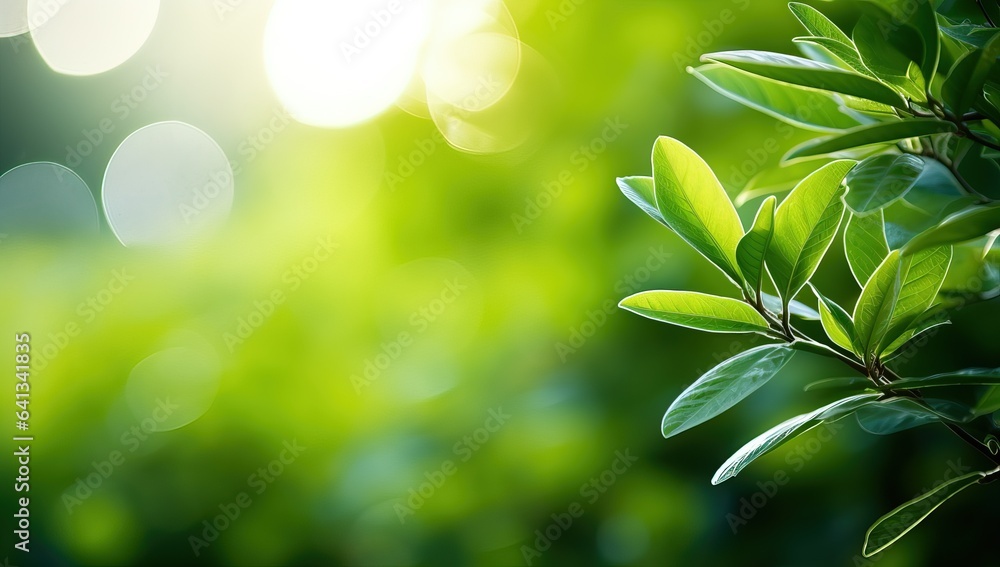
[167, 183]
[86, 37]
[336, 63]
[173, 387]
[43, 199]
[13, 17]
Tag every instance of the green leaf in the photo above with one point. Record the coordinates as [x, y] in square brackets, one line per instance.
[865, 245]
[804, 226]
[920, 277]
[724, 386]
[796, 308]
[970, 34]
[837, 323]
[964, 85]
[806, 73]
[640, 191]
[779, 434]
[970, 223]
[694, 204]
[894, 525]
[888, 52]
[778, 179]
[817, 23]
[880, 180]
[926, 322]
[898, 18]
[845, 53]
[697, 311]
[967, 377]
[798, 106]
[751, 249]
[850, 382]
[873, 311]
[883, 132]
[893, 415]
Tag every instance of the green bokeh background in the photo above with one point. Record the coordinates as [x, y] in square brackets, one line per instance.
[530, 287]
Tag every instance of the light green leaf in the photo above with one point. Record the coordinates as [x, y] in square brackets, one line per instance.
[894, 525]
[694, 204]
[796, 308]
[967, 377]
[751, 249]
[804, 226]
[779, 434]
[844, 52]
[920, 275]
[806, 73]
[865, 245]
[883, 132]
[778, 179]
[697, 311]
[880, 180]
[817, 23]
[640, 191]
[928, 321]
[798, 106]
[967, 224]
[724, 386]
[837, 323]
[873, 311]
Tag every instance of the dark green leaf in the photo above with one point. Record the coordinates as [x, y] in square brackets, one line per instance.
[851, 382]
[894, 525]
[964, 85]
[890, 416]
[779, 434]
[884, 132]
[724, 386]
[970, 223]
[967, 377]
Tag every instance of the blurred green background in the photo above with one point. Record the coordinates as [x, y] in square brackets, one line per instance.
[473, 286]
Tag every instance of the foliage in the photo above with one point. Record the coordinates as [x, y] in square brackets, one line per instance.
[908, 105]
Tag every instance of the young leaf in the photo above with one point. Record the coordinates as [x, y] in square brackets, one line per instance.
[800, 107]
[928, 321]
[883, 132]
[967, 377]
[865, 245]
[796, 308]
[837, 323]
[640, 191]
[804, 226]
[894, 525]
[893, 415]
[920, 277]
[697, 311]
[724, 386]
[806, 73]
[848, 54]
[694, 204]
[873, 311]
[779, 434]
[880, 180]
[970, 223]
[751, 249]
[817, 23]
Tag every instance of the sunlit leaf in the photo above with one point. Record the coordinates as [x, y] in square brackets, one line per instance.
[804, 226]
[970, 223]
[751, 249]
[783, 177]
[640, 190]
[796, 308]
[801, 107]
[837, 323]
[694, 204]
[920, 278]
[865, 245]
[697, 311]
[873, 311]
[807, 73]
[724, 386]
